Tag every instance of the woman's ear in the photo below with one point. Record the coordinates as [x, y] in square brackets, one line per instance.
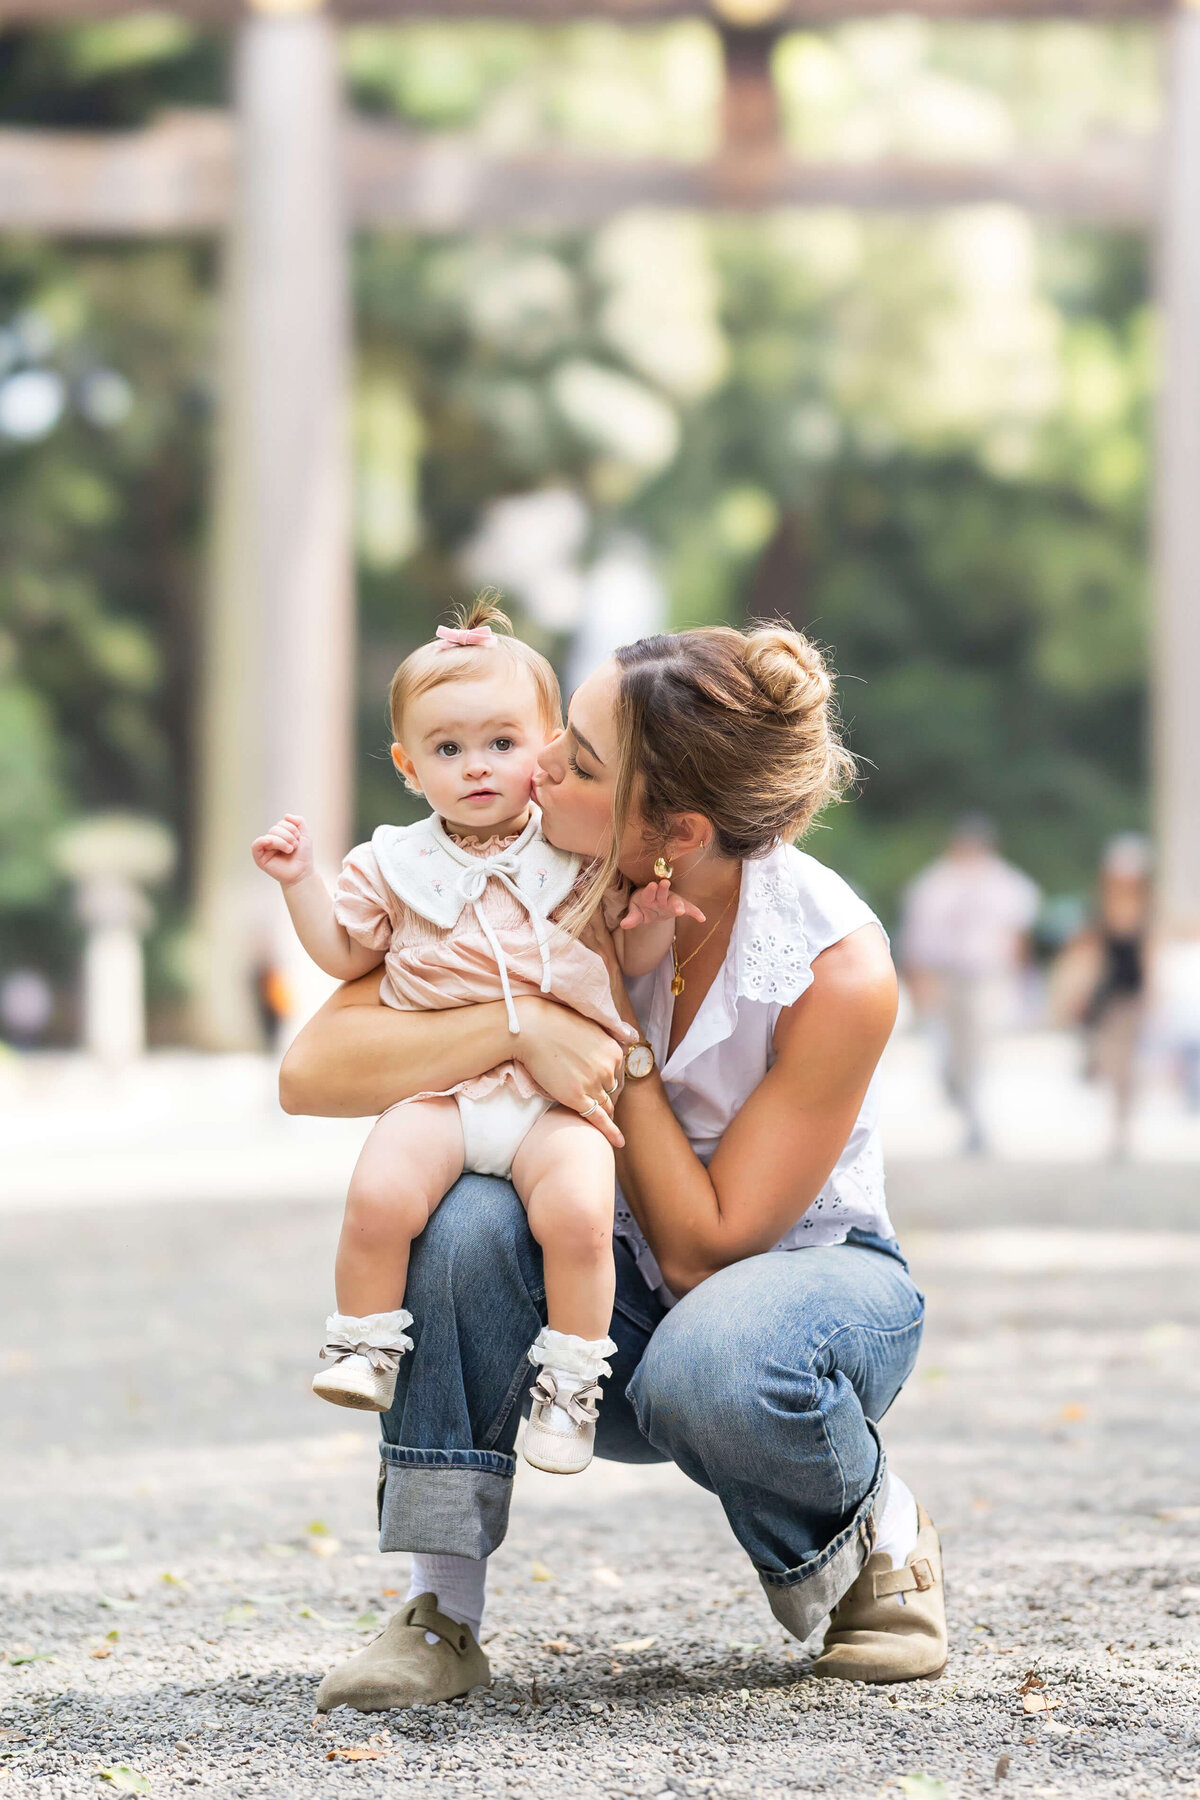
[405, 768]
[690, 833]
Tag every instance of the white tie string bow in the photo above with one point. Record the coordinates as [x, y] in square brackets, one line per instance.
[471, 886]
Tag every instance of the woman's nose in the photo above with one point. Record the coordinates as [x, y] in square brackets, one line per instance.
[549, 762]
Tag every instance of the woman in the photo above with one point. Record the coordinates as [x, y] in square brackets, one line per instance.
[764, 1319]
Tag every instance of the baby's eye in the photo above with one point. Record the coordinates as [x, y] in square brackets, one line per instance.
[446, 749]
[502, 744]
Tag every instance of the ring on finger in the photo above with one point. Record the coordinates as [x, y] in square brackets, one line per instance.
[589, 1110]
[612, 1090]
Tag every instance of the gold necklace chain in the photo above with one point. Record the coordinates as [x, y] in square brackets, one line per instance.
[677, 982]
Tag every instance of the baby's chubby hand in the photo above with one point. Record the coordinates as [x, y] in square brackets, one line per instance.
[655, 904]
[286, 851]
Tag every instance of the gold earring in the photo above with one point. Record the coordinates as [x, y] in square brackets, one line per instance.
[663, 869]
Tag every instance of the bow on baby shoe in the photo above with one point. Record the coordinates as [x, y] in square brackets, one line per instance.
[580, 1408]
[383, 1358]
[456, 637]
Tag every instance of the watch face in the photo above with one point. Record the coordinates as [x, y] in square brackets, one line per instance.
[639, 1060]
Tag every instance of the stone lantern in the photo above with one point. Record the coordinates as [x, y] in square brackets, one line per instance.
[112, 858]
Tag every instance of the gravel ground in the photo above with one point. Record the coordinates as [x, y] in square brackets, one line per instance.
[186, 1553]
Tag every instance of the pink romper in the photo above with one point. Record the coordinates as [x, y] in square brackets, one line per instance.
[428, 966]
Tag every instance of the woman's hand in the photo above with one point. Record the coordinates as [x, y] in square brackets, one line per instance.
[572, 1059]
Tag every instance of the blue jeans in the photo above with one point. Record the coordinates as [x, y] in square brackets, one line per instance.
[764, 1385]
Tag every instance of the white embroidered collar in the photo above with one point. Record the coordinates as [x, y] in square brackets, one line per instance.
[437, 878]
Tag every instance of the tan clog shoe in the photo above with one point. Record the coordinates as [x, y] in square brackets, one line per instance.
[871, 1637]
[401, 1668]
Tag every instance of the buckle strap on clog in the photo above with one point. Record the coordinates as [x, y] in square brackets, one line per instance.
[913, 1578]
[423, 1613]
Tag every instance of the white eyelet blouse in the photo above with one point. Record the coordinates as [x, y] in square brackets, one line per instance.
[791, 907]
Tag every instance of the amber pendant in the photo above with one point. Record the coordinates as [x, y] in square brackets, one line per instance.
[677, 985]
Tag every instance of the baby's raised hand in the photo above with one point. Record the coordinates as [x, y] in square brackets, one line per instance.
[655, 904]
[286, 851]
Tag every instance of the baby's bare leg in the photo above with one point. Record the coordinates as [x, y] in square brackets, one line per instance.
[412, 1157]
[565, 1174]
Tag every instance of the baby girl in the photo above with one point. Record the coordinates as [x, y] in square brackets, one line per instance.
[463, 907]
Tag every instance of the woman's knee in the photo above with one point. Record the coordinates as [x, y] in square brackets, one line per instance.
[476, 1243]
[712, 1368]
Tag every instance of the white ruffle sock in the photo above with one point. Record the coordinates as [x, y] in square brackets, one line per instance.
[566, 1394]
[364, 1356]
[896, 1523]
[460, 1584]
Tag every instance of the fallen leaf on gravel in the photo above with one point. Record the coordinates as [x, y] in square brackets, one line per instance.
[111, 1637]
[238, 1614]
[324, 1546]
[1037, 1702]
[17, 1657]
[280, 1549]
[1072, 1413]
[632, 1645]
[100, 1652]
[115, 1605]
[606, 1577]
[174, 1580]
[366, 1621]
[1032, 1680]
[539, 1572]
[922, 1787]
[125, 1778]
[317, 1528]
[560, 1646]
[1178, 1515]
[1003, 1766]
[389, 1593]
[355, 1753]
[12, 1735]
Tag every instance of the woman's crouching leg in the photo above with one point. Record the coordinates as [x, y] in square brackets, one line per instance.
[476, 1294]
[764, 1385]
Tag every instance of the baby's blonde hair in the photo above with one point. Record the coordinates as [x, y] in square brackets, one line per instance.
[440, 662]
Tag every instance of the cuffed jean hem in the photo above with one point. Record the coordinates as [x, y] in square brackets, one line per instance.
[802, 1597]
[444, 1502]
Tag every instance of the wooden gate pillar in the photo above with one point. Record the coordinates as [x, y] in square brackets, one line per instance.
[279, 675]
[1176, 687]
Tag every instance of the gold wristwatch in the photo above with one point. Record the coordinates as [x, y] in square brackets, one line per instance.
[639, 1061]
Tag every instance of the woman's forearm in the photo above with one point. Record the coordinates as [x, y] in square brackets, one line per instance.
[667, 1187]
[356, 1057]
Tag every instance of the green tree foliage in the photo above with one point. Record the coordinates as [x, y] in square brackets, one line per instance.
[924, 439]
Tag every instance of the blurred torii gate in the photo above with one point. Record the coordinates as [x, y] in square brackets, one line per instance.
[288, 176]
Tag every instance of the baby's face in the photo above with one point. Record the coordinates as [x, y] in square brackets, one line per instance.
[471, 748]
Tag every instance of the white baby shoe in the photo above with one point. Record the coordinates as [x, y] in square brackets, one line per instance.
[365, 1356]
[562, 1422]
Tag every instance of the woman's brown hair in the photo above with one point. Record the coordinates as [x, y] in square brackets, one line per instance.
[740, 726]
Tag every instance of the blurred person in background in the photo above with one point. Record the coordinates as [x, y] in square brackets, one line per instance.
[26, 1007]
[964, 939]
[1105, 970]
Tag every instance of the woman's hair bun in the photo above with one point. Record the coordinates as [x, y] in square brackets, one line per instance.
[789, 671]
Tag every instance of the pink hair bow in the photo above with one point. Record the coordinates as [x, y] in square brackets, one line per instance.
[453, 637]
